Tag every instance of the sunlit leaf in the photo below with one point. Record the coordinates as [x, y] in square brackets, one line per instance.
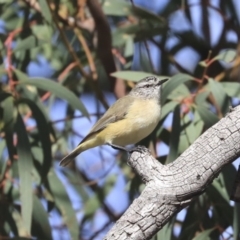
[232, 89]
[132, 75]
[45, 11]
[58, 90]
[227, 55]
[220, 96]
[173, 83]
[179, 93]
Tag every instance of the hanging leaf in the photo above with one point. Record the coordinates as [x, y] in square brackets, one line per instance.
[219, 95]
[207, 116]
[175, 136]
[44, 136]
[58, 90]
[40, 226]
[232, 89]
[25, 165]
[63, 203]
[8, 123]
[45, 11]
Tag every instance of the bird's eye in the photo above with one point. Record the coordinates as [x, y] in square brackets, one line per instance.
[147, 85]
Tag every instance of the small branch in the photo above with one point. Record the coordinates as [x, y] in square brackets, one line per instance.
[88, 53]
[104, 44]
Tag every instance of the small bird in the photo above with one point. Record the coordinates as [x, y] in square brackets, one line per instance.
[129, 120]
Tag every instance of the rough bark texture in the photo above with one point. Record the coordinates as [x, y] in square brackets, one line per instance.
[170, 188]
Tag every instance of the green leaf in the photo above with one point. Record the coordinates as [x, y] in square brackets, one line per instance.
[96, 201]
[220, 189]
[222, 210]
[44, 136]
[232, 89]
[228, 175]
[179, 93]
[190, 129]
[204, 235]
[7, 220]
[8, 124]
[4, 95]
[175, 135]
[112, 7]
[45, 11]
[63, 203]
[167, 108]
[3, 164]
[78, 183]
[129, 47]
[165, 233]
[227, 55]
[132, 75]
[236, 221]
[25, 165]
[40, 226]
[173, 83]
[190, 222]
[207, 116]
[183, 143]
[201, 97]
[29, 43]
[198, 128]
[221, 98]
[58, 90]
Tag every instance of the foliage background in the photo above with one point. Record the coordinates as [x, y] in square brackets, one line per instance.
[79, 53]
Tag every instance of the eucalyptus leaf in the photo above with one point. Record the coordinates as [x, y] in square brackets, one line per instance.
[175, 136]
[45, 10]
[25, 165]
[204, 235]
[58, 90]
[173, 83]
[220, 96]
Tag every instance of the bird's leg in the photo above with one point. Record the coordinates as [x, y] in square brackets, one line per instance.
[117, 147]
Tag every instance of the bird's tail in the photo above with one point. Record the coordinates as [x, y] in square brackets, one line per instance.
[66, 160]
[88, 143]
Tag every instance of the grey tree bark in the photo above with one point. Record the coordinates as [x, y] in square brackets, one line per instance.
[170, 188]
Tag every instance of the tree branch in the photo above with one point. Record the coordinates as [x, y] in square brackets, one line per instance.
[170, 188]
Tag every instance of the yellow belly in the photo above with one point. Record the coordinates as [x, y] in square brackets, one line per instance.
[141, 120]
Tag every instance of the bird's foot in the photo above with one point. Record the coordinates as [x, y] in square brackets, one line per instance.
[140, 149]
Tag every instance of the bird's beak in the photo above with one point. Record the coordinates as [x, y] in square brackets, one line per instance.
[163, 81]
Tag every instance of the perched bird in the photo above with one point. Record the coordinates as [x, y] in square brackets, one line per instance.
[129, 120]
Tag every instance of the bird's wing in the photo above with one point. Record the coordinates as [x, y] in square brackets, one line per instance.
[111, 115]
